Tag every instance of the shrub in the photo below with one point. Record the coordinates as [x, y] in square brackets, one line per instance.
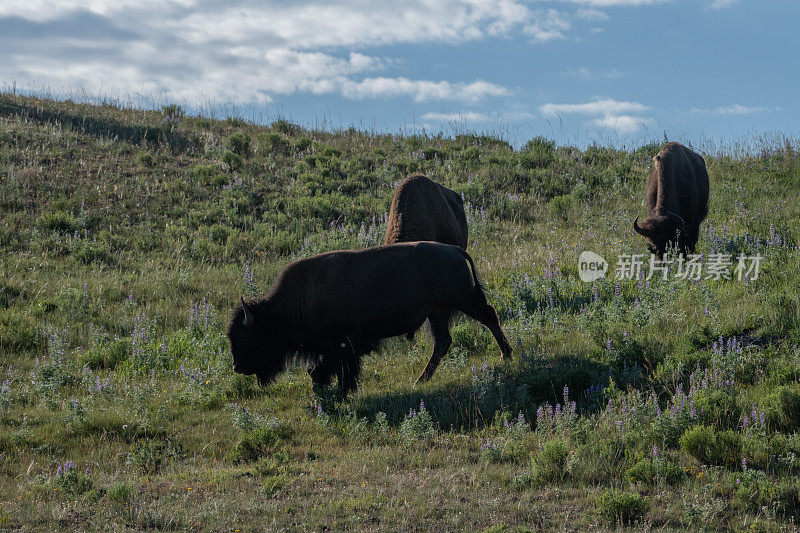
[233, 160]
[491, 450]
[699, 442]
[710, 447]
[89, 252]
[728, 450]
[107, 355]
[146, 160]
[417, 426]
[57, 221]
[550, 464]
[381, 424]
[560, 206]
[269, 143]
[302, 143]
[642, 472]
[120, 493]
[602, 460]
[209, 175]
[784, 408]
[149, 455]
[241, 387]
[619, 507]
[18, 332]
[173, 110]
[72, 482]
[257, 443]
[469, 336]
[285, 127]
[537, 153]
[239, 144]
[717, 408]
[657, 470]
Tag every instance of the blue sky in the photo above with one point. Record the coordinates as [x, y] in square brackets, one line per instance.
[616, 71]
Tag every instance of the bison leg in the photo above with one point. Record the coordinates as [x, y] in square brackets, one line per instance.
[349, 367]
[691, 244]
[321, 372]
[440, 322]
[484, 313]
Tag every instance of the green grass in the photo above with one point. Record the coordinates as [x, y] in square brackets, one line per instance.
[127, 237]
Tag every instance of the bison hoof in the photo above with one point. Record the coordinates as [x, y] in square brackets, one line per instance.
[422, 378]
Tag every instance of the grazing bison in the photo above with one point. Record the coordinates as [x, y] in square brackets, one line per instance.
[677, 200]
[423, 210]
[330, 309]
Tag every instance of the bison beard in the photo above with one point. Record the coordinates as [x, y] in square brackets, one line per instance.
[677, 200]
[331, 309]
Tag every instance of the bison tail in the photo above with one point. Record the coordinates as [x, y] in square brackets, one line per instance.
[472, 267]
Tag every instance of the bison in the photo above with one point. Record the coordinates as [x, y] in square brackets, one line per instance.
[330, 309]
[677, 200]
[423, 210]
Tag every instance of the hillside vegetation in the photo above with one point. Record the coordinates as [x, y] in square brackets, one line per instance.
[128, 236]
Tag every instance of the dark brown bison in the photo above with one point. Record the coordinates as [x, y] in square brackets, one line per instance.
[423, 210]
[677, 200]
[330, 309]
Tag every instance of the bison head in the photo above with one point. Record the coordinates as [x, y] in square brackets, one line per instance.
[254, 343]
[659, 231]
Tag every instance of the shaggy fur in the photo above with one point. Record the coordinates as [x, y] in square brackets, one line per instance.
[330, 309]
[678, 185]
[423, 210]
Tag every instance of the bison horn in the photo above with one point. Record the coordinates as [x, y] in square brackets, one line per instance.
[681, 222]
[637, 228]
[248, 316]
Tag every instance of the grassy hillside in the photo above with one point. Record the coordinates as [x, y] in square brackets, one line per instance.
[127, 237]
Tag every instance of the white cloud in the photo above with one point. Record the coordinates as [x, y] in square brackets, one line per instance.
[735, 109]
[606, 106]
[591, 14]
[615, 3]
[422, 90]
[623, 117]
[514, 115]
[584, 73]
[721, 4]
[461, 116]
[254, 50]
[621, 123]
[547, 25]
